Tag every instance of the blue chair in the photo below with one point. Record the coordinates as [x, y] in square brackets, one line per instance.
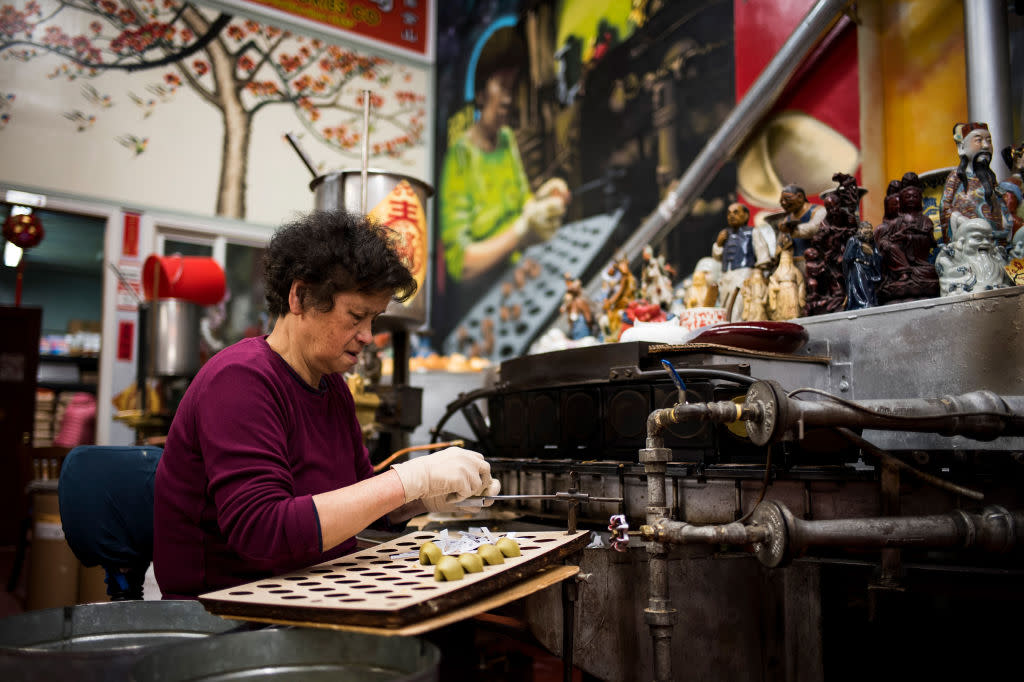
[106, 508]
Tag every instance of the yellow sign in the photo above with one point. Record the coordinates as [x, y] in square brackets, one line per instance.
[402, 211]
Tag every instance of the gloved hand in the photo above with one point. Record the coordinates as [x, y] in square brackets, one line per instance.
[453, 473]
[542, 217]
[554, 187]
[440, 504]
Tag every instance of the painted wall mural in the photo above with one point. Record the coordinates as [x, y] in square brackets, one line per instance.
[158, 103]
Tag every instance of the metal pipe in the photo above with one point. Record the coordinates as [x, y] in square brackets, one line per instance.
[992, 531]
[987, 52]
[778, 535]
[659, 614]
[735, 129]
[366, 150]
[982, 415]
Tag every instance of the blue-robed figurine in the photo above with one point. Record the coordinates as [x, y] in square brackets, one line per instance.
[862, 269]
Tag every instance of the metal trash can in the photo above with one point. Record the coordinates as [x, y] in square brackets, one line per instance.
[300, 654]
[98, 642]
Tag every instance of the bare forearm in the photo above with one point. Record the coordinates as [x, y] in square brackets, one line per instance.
[346, 511]
[482, 256]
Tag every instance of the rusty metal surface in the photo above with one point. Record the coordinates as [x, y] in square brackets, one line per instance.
[724, 607]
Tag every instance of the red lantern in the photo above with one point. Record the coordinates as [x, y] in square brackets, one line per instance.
[24, 230]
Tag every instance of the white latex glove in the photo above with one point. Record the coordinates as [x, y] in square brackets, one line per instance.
[440, 504]
[542, 217]
[453, 473]
[553, 187]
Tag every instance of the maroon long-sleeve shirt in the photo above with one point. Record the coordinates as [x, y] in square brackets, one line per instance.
[249, 446]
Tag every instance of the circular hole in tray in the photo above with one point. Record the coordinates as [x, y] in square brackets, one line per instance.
[379, 562]
[378, 592]
[409, 570]
[280, 591]
[407, 582]
[359, 568]
[389, 578]
[342, 564]
[319, 570]
[373, 573]
[528, 547]
[399, 596]
[352, 599]
[239, 593]
[306, 583]
[294, 596]
[320, 589]
[406, 544]
[363, 586]
[426, 587]
[385, 550]
[348, 581]
[336, 595]
[545, 540]
[365, 558]
[268, 586]
[295, 578]
[424, 537]
[333, 576]
[523, 537]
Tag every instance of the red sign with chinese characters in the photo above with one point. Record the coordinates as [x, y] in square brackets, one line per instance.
[400, 23]
[130, 240]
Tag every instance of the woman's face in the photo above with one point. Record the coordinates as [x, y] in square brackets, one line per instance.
[333, 340]
[496, 98]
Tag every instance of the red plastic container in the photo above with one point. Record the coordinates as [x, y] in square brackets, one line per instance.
[198, 279]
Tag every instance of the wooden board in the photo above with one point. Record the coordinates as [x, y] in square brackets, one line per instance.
[372, 588]
[547, 577]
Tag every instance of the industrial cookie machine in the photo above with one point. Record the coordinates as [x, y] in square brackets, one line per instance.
[781, 515]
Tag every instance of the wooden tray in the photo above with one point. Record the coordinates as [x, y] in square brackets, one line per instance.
[370, 588]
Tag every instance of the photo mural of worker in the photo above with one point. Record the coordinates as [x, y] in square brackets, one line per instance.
[560, 127]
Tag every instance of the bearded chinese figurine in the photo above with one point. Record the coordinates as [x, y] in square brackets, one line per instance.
[972, 261]
[971, 188]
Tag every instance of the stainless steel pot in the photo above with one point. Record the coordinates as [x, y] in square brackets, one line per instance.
[392, 205]
[174, 338]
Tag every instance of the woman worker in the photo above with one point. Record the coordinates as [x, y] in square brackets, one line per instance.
[264, 470]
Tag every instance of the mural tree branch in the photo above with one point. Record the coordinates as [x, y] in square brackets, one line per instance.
[237, 66]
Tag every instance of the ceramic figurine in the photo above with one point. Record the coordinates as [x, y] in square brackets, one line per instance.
[619, 298]
[787, 296]
[862, 269]
[734, 249]
[892, 211]
[905, 248]
[826, 283]
[1012, 189]
[655, 283]
[971, 188]
[802, 219]
[576, 308]
[702, 291]
[755, 296]
[972, 261]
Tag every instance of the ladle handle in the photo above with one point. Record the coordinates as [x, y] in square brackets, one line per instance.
[302, 154]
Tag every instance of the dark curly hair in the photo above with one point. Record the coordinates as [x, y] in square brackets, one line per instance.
[332, 252]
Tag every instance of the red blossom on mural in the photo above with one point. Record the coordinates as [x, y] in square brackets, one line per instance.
[262, 65]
